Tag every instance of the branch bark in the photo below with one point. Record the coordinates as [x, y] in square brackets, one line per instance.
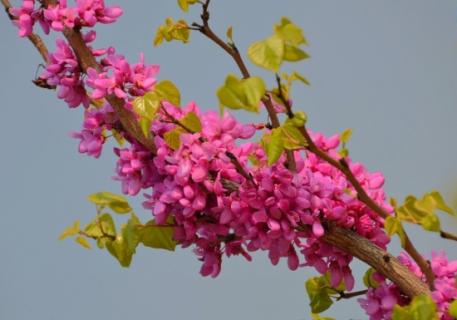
[382, 261]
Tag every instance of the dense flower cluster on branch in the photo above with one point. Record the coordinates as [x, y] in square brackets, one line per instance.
[213, 186]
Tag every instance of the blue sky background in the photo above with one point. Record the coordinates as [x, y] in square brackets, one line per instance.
[387, 69]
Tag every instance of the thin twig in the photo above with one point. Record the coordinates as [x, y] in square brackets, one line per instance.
[240, 169]
[349, 295]
[362, 196]
[447, 235]
[34, 38]
[283, 98]
[233, 51]
[175, 121]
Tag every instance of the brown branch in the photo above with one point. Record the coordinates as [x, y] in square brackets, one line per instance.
[386, 264]
[239, 168]
[283, 98]
[174, 120]
[34, 38]
[349, 295]
[233, 51]
[366, 199]
[86, 60]
[447, 235]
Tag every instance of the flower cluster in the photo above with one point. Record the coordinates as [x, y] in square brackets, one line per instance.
[115, 75]
[379, 302]
[58, 16]
[224, 205]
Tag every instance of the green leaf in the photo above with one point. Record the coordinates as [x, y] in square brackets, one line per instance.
[102, 226]
[173, 138]
[115, 202]
[229, 34]
[267, 53]
[145, 125]
[317, 289]
[453, 309]
[124, 247]
[172, 31]
[169, 92]
[295, 76]
[118, 136]
[70, 231]
[273, 145]
[299, 119]
[422, 307]
[241, 93]
[192, 122]
[346, 135]
[184, 4]
[423, 211]
[294, 54]
[290, 32]
[392, 226]
[83, 242]
[147, 105]
[315, 316]
[292, 137]
[368, 279]
[156, 236]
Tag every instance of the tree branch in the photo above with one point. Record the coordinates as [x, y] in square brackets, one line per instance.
[343, 166]
[233, 51]
[350, 295]
[383, 262]
[34, 38]
[447, 235]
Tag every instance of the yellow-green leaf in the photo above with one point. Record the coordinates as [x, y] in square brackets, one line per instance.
[317, 289]
[294, 76]
[172, 31]
[453, 309]
[294, 54]
[192, 122]
[147, 105]
[346, 135]
[115, 202]
[156, 236]
[124, 247]
[423, 211]
[169, 92]
[393, 226]
[369, 280]
[292, 137]
[118, 136]
[299, 119]
[173, 138]
[267, 53]
[241, 93]
[184, 4]
[102, 226]
[315, 316]
[70, 231]
[83, 242]
[145, 125]
[290, 32]
[422, 307]
[273, 145]
[229, 34]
